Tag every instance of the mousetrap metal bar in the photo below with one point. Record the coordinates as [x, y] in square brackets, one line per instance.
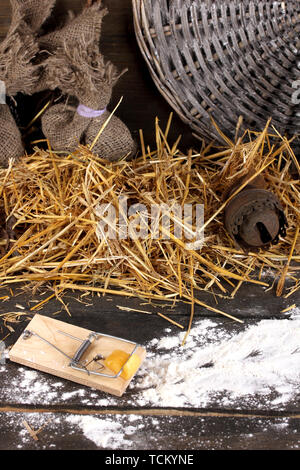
[78, 354]
[75, 361]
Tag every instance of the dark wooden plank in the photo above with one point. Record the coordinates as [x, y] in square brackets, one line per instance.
[39, 390]
[138, 432]
[251, 301]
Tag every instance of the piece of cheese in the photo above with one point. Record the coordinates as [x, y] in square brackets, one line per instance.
[116, 360]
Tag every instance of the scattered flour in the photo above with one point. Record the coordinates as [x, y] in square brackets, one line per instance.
[32, 387]
[260, 361]
[259, 366]
[215, 368]
[107, 433]
[295, 313]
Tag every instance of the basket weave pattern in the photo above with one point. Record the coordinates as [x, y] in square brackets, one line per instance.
[224, 59]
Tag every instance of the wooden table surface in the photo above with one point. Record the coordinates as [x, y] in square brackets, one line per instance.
[214, 427]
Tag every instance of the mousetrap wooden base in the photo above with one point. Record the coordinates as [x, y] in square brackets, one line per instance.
[37, 351]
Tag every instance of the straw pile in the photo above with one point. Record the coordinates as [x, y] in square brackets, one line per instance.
[50, 202]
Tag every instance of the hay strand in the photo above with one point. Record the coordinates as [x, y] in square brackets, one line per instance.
[55, 203]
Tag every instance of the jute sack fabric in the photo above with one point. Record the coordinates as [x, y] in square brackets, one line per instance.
[17, 53]
[20, 50]
[34, 12]
[79, 70]
[66, 129]
[63, 127]
[86, 26]
[11, 145]
[19, 69]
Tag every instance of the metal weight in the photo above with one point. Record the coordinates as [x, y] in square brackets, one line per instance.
[254, 218]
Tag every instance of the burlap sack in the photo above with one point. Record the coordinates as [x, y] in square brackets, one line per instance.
[63, 127]
[66, 129]
[84, 27]
[33, 12]
[17, 53]
[11, 145]
[114, 142]
[79, 70]
[19, 69]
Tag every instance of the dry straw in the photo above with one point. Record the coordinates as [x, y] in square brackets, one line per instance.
[54, 202]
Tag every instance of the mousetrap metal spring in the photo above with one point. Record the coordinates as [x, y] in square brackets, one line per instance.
[75, 361]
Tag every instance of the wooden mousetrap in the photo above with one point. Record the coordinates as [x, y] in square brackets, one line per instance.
[97, 360]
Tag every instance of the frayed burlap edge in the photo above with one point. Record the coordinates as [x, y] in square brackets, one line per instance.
[34, 12]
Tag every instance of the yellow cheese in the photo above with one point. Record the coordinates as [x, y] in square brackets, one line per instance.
[116, 360]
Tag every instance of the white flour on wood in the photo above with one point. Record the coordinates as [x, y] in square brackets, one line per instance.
[216, 368]
[263, 360]
[259, 366]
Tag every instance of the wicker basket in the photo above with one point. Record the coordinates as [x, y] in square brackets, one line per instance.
[224, 59]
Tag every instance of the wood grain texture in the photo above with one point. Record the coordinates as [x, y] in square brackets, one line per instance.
[142, 101]
[103, 315]
[251, 302]
[218, 426]
[154, 433]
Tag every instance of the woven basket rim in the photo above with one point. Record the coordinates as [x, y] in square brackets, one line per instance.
[204, 68]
